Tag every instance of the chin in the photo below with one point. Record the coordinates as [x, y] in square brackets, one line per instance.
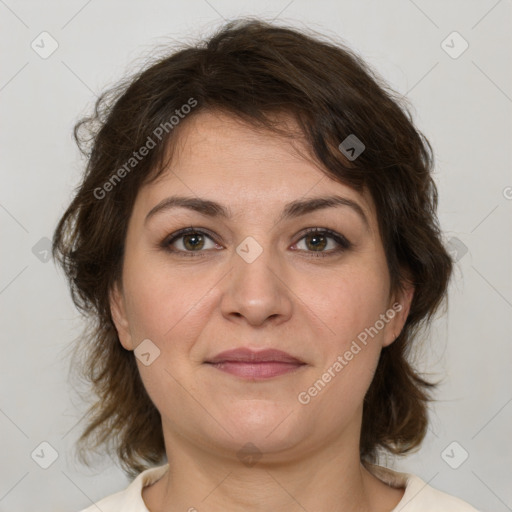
[265, 424]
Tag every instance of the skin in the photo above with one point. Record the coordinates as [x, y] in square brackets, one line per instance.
[288, 298]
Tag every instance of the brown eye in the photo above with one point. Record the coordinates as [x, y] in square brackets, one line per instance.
[189, 241]
[317, 240]
[194, 241]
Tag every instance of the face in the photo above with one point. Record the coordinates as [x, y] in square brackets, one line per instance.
[309, 281]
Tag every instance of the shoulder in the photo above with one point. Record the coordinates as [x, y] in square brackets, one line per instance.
[424, 498]
[130, 499]
[419, 496]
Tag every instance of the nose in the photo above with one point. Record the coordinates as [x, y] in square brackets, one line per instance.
[256, 291]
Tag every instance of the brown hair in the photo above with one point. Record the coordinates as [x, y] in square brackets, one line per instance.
[252, 69]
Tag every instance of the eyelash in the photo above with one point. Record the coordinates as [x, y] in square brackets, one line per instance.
[343, 243]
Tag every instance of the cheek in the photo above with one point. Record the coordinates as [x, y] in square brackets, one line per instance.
[349, 353]
[165, 306]
[349, 309]
[349, 304]
[168, 309]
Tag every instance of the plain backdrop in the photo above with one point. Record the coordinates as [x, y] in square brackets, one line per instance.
[462, 100]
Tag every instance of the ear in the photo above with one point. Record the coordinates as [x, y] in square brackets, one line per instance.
[118, 312]
[401, 305]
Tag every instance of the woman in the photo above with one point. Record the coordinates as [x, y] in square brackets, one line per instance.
[255, 241]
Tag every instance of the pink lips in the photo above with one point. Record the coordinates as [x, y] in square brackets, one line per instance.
[248, 364]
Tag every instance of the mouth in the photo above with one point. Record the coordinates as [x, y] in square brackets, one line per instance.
[248, 364]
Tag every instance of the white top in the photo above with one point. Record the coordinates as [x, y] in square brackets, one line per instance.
[418, 496]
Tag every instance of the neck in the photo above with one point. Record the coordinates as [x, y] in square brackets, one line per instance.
[330, 477]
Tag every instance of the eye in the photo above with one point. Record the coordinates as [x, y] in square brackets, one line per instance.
[189, 241]
[194, 242]
[316, 240]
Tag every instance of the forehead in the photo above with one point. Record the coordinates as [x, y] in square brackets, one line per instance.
[219, 157]
[216, 141]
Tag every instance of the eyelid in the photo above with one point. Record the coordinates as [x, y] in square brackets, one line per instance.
[176, 235]
[343, 243]
[338, 237]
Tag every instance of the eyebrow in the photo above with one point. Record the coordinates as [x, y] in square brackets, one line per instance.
[291, 210]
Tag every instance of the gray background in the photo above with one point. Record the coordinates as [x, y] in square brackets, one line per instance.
[462, 104]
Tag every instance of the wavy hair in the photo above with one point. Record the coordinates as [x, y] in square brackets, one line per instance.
[252, 69]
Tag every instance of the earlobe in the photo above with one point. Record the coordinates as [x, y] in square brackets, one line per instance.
[118, 312]
[401, 306]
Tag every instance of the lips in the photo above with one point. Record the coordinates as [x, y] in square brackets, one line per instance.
[251, 365]
[245, 355]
